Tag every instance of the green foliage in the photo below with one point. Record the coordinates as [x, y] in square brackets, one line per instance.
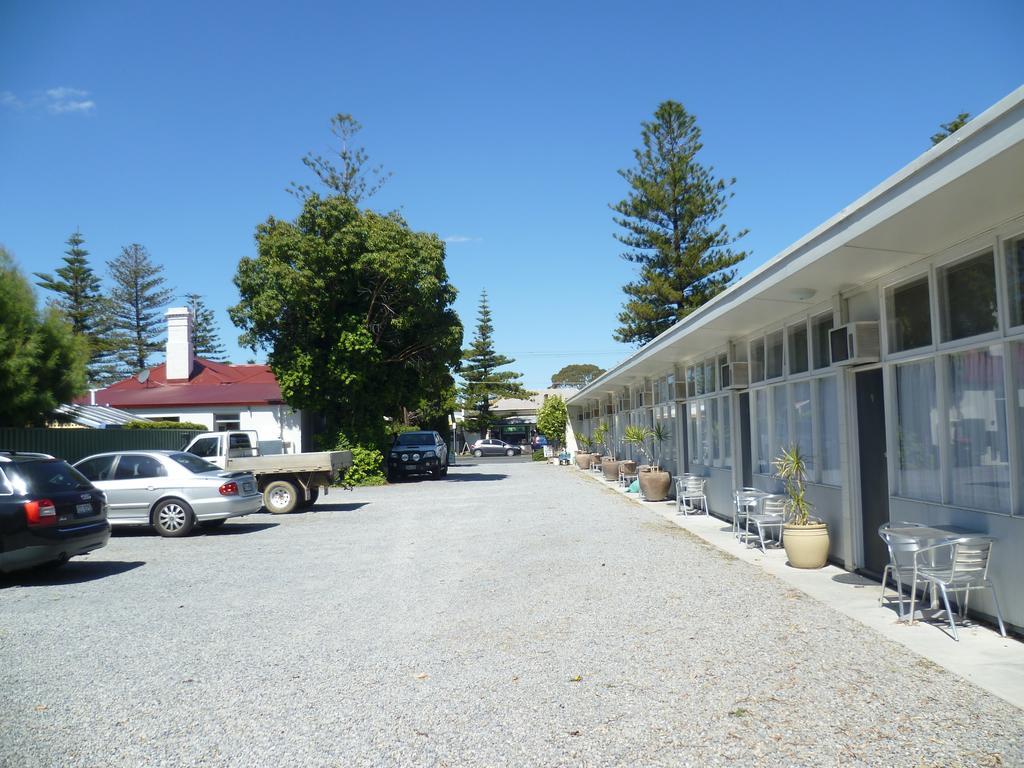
[552, 419]
[673, 231]
[791, 468]
[83, 305]
[355, 310]
[538, 455]
[576, 375]
[351, 177]
[585, 442]
[205, 338]
[948, 129]
[600, 437]
[648, 441]
[483, 382]
[367, 463]
[42, 361]
[191, 425]
[137, 297]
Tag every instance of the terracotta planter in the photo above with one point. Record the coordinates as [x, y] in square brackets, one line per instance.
[628, 467]
[583, 460]
[610, 467]
[654, 485]
[806, 545]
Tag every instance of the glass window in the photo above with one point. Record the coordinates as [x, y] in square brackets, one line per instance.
[691, 433]
[757, 360]
[726, 419]
[917, 413]
[193, 463]
[1015, 279]
[980, 463]
[1017, 362]
[705, 433]
[715, 428]
[909, 314]
[761, 435]
[710, 378]
[133, 466]
[828, 430]
[207, 446]
[226, 422]
[96, 468]
[698, 371]
[803, 427]
[820, 326]
[967, 298]
[773, 355]
[43, 477]
[780, 423]
[798, 348]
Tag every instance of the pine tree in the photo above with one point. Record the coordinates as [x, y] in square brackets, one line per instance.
[948, 129]
[136, 299]
[82, 304]
[483, 382]
[673, 230]
[205, 339]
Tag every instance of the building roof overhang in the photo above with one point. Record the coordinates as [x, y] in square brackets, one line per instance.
[967, 185]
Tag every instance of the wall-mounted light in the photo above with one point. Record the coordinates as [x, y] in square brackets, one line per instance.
[803, 294]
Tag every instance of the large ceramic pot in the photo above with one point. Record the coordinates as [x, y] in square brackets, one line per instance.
[583, 460]
[628, 467]
[654, 485]
[610, 467]
[806, 545]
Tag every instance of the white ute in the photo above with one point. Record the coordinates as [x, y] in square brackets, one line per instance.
[289, 481]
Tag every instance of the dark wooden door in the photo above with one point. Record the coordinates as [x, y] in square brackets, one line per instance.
[874, 472]
[745, 468]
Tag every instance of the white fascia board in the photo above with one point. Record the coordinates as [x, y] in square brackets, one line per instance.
[996, 129]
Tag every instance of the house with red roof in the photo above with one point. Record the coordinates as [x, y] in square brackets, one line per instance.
[223, 396]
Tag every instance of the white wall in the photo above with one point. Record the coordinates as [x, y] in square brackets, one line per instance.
[271, 422]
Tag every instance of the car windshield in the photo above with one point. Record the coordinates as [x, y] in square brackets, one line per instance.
[415, 438]
[193, 463]
[42, 476]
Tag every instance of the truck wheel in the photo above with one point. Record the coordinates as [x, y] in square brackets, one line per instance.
[173, 518]
[280, 497]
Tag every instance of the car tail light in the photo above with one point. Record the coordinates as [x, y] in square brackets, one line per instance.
[40, 512]
[229, 489]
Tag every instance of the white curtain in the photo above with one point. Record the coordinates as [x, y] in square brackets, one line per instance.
[828, 430]
[918, 446]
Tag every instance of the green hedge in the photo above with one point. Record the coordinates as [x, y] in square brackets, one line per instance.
[166, 425]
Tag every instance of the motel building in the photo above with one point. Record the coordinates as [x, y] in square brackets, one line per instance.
[888, 343]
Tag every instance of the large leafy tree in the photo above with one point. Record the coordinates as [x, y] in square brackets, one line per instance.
[84, 306]
[673, 228]
[948, 129]
[552, 418]
[483, 383]
[138, 295]
[42, 360]
[350, 175]
[356, 312]
[576, 375]
[205, 338]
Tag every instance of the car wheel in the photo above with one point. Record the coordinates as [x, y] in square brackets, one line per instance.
[478, 453]
[444, 471]
[212, 525]
[280, 497]
[510, 452]
[173, 518]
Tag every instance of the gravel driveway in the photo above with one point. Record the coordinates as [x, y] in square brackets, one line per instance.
[515, 614]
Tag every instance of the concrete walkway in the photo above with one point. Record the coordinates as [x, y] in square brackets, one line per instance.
[982, 656]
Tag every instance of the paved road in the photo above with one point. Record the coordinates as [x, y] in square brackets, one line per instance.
[515, 614]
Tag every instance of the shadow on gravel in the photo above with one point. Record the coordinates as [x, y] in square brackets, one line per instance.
[234, 529]
[337, 507]
[469, 477]
[72, 572]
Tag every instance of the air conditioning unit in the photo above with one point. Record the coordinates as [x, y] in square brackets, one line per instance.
[854, 343]
[734, 376]
[680, 390]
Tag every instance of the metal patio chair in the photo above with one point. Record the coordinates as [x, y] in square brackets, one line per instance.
[770, 515]
[902, 559]
[689, 490]
[960, 565]
[743, 500]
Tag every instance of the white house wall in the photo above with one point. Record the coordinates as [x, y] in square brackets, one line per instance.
[272, 423]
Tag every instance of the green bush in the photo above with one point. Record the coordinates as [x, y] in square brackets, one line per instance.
[538, 455]
[166, 425]
[367, 463]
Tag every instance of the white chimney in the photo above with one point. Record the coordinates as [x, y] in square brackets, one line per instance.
[180, 356]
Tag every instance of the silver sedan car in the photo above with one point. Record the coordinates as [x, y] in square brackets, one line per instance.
[169, 490]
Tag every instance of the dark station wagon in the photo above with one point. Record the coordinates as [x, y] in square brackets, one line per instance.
[49, 512]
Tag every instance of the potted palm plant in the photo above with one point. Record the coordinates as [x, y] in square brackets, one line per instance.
[654, 482]
[583, 456]
[804, 538]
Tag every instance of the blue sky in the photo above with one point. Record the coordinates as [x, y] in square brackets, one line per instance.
[180, 125]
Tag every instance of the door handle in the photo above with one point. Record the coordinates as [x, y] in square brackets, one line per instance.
[150, 487]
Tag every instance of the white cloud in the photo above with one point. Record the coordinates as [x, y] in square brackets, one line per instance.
[56, 101]
[461, 239]
[63, 99]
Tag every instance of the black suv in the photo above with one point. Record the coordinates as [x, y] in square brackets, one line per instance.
[418, 453]
[49, 512]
